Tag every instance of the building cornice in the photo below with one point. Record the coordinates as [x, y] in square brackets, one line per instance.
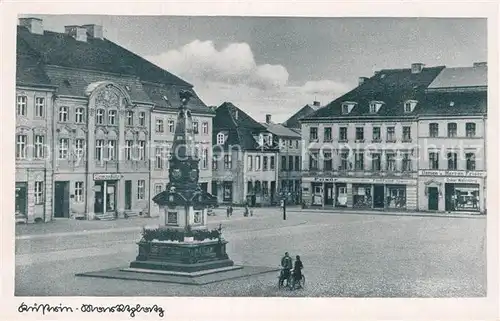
[33, 86]
[457, 89]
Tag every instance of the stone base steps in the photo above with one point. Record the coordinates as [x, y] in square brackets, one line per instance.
[106, 217]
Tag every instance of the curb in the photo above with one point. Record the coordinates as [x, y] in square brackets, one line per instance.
[416, 214]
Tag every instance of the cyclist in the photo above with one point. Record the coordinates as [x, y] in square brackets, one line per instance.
[286, 264]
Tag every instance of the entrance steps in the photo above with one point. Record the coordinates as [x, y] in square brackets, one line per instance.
[106, 217]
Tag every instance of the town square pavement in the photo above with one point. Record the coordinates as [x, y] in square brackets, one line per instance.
[344, 255]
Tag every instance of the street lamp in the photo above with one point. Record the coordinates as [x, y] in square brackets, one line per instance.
[284, 196]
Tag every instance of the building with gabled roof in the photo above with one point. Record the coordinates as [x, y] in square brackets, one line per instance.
[294, 121]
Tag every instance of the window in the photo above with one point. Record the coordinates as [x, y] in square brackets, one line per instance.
[141, 186]
[21, 142]
[204, 159]
[63, 148]
[99, 116]
[297, 163]
[290, 143]
[391, 162]
[171, 126]
[313, 161]
[111, 149]
[283, 163]
[290, 163]
[470, 129]
[359, 161]
[433, 160]
[406, 134]
[313, 133]
[327, 161]
[142, 118]
[128, 149]
[452, 130]
[204, 127]
[470, 161]
[296, 144]
[195, 127]
[433, 130]
[257, 163]
[391, 134]
[39, 146]
[142, 150]
[130, 118]
[79, 147]
[79, 192]
[99, 149]
[360, 134]
[22, 102]
[376, 134]
[227, 162]
[112, 117]
[265, 188]
[345, 109]
[343, 134]
[452, 161]
[271, 163]
[344, 161]
[214, 163]
[220, 139]
[79, 115]
[39, 107]
[158, 188]
[376, 162]
[158, 158]
[373, 108]
[264, 163]
[63, 114]
[249, 162]
[159, 126]
[407, 166]
[38, 192]
[407, 108]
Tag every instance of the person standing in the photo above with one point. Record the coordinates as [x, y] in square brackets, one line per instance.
[297, 270]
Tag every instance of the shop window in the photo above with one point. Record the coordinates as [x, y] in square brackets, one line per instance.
[470, 129]
[362, 197]
[359, 161]
[78, 192]
[38, 193]
[343, 134]
[327, 135]
[433, 130]
[376, 134]
[452, 130]
[313, 133]
[396, 197]
[376, 162]
[22, 102]
[470, 161]
[327, 161]
[452, 161]
[141, 189]
[433, 160]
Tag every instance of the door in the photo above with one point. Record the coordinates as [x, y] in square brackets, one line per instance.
[329, 197]
[111, 197]
[433, 194]
[341, 195]
[228, 191]
[21, 198]
[98, 198]
[128, 195]
[61, 199]
[378, 196]
[273, 191]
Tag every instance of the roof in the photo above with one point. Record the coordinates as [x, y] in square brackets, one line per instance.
[453, 104]
[461, 77]
[391, 86]
[280, 130]
[240, 127]
[158, 92]
[293, 122]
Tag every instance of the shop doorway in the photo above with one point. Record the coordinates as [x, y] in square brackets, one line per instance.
[61, 199]
[378, 196]
[273, 191]
[433, 195]
[462, 197]
[21, 198]
[128, 195]
[341, 193]
[329, 195]
[227, 191]
[317, 197]
[105, 197]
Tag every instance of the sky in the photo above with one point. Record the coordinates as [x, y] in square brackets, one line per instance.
[270, 65]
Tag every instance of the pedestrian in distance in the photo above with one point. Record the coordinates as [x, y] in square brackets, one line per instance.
[228, 211]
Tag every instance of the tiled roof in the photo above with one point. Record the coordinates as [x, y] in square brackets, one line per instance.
[157, 93]
[293, 122]
[280, 130]
[453, 104]
[240, 127]
[391, 86]
[460, 77]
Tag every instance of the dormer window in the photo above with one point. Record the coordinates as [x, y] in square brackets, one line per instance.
[221, 138]
[409, 106]
[375, 106]
[347, 107]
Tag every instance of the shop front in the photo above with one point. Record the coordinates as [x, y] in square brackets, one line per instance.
[105, 194]
[461, 197]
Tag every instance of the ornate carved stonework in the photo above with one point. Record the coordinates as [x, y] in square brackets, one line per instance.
[107, 98]
[23, 130]
[91, 111]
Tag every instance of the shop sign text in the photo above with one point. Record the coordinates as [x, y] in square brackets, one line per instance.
[107, 177]
[364, 180]
[451, 173]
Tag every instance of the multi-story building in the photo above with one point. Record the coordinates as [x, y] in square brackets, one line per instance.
[289, 159]
[294, 121]
[163, 119]
[88, 102]
[452, 138]
[361, 148]
[245, 156]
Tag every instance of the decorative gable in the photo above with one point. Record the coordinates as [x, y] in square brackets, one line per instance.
[409, 105]
[347, 107]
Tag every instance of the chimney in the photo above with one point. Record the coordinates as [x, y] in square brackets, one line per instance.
[481, 64]
[361, 80]
[417, 67]
[268, 118]
[316, 103]
[77, 32]
[95, 31]
[34, 25]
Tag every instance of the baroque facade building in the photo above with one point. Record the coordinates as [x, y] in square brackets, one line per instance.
[245, 154]
[97, 99]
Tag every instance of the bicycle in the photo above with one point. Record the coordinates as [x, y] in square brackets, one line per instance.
[301, 282]
[281, 280]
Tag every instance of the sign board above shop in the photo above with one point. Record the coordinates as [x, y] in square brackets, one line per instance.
[451, 173]
[395, 181]
[107, 177]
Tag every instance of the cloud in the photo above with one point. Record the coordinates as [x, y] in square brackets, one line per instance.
[232, 74]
